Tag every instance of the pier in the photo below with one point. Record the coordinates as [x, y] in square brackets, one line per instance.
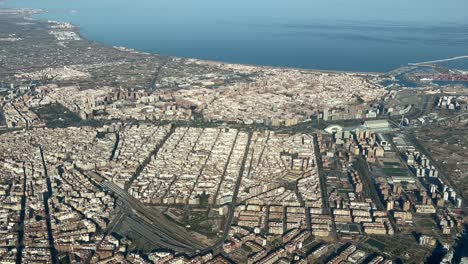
[437, 61]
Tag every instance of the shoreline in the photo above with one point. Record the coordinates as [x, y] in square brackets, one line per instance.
[31, 12]
[77, 30]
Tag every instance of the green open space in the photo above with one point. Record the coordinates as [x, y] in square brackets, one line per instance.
[425, 223]
[56, 115]
[376, 244]
[395, 171]
[390, 164]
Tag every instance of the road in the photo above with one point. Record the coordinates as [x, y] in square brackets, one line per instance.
[20, 246]
[323, 180]
[148, 158]
[202, 168]
[223, 176]
[232, 205]
[47, 195]
[157, 75]
[323, 187]
[369, 183]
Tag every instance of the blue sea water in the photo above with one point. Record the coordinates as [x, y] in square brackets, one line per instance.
[352, 35]
[456, 64]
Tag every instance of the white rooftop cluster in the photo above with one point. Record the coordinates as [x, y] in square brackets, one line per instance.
[193, 162]
[63, 73]
[281, 97]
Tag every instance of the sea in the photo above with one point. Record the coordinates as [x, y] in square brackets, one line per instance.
[345, 35]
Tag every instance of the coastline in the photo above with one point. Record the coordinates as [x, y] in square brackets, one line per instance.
[77, 30]
[123, 123]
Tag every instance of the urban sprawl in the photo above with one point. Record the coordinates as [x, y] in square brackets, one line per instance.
[110, 155]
